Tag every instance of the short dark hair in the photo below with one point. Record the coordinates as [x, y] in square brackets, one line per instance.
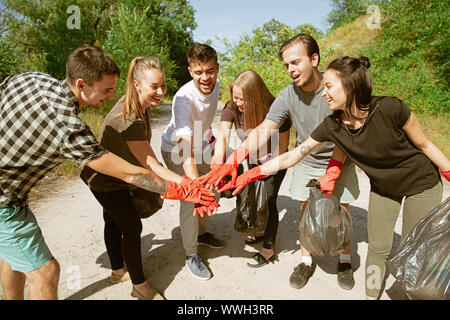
[89, 63]
[308, 41]
[356, 80]
[200, 52]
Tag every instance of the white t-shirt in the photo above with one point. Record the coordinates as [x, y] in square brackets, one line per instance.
[192, 115]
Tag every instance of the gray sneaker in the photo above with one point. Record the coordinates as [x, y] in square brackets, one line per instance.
[197, 268]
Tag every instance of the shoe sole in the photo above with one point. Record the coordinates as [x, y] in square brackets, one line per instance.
[198, 277]
[296, 286]
[120, 279]
[346, 287]
[140, 297]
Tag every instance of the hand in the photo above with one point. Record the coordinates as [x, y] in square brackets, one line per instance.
[329, 179]
[446, 174]
[247, 177]
[189, 190]
[214, 177]
[201, 210]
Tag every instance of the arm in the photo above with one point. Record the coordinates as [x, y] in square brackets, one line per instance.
[417, 136]
[286, 160]
[110, 164]
[283, 144]
[187, 156]
[257, 138]
[333, 171]
[143, 152]
[221, 144]
[290, 158]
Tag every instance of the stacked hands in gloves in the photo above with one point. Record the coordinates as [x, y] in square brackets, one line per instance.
[192, 191]
[219, 170]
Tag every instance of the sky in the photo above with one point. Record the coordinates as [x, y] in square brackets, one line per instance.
[231, 18]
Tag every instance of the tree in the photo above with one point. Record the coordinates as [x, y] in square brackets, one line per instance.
[259, 51]
[39, 35]
[40, 29]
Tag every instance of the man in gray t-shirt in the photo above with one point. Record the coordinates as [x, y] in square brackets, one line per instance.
[302, 104]
[306, 110]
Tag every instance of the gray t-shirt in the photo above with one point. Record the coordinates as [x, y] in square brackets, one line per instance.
[306, 111]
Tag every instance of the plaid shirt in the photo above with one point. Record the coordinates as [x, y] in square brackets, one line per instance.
[39, 128]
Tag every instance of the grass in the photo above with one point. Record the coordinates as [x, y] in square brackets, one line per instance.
[347, 40]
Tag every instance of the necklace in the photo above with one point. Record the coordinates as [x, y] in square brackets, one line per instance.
[356, 133]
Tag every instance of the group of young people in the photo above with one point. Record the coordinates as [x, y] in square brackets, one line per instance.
[338, 123]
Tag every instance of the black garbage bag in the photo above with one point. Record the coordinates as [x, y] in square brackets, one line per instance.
[325, 227]
[422, 262]
[146, 203]
[252, 209]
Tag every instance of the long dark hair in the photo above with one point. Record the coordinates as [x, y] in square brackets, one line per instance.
[356, 81]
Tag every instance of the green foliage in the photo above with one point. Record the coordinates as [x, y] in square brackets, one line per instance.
[259, 51]
[39, 29]
[345, 11]
[151, 30]
[410, 56]
[35, 35]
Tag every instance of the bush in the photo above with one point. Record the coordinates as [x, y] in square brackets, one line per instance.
[410, 55]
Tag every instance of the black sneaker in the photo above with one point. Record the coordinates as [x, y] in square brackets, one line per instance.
[299, 278]
[345, 276]
[207, 239]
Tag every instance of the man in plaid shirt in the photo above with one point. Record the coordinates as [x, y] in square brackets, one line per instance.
[39, 128]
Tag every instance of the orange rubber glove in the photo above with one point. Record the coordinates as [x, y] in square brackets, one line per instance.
[189, 190]
[214, 177]
[329, 179]
[201, 209]
[446, 174]
[247, 177]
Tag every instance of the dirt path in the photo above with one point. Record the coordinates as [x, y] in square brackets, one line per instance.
[72, 224]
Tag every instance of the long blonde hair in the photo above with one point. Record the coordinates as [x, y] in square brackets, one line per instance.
[137, 66]
[257, 97]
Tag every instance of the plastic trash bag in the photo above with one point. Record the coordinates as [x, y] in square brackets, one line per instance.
[146, 203]
[422, 262]
[252, 209]
[325, 227]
